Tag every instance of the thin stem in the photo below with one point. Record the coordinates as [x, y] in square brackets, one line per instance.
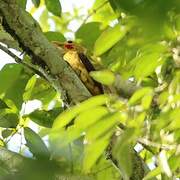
[37, 70]
[94, 11]
[147, 142]
[21, 141]
[20, 61]
[12, 135]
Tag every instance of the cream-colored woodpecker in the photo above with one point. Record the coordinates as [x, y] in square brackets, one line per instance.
[74, 54]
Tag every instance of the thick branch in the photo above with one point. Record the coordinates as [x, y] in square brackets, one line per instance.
[7, 39]
[39, 71]
[11, 160]
[27, 32]
[20, 61]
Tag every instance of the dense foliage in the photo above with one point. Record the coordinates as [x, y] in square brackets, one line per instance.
[138, 40]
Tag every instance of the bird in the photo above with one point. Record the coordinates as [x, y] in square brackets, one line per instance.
[75, 56]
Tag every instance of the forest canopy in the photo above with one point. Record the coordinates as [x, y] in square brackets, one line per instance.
[91, 94]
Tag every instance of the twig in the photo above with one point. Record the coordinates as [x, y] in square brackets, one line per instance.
[21, 141]
[147, 142]
[37, 70]
[32, 40]
[94, 11]
[20, 61]
[12, 135]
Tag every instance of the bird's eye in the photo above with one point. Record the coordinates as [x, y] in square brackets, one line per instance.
[69, 41]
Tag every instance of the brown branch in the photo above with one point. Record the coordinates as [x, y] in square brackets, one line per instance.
[20, 61]
[27, 32]
[37, 70]
[11, 160]
[95, 10]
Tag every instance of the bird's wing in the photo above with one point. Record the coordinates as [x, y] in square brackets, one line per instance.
[88, 65]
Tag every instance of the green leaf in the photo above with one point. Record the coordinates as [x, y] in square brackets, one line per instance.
[105, 77]
[152, 173]
[15, 92]
[177, 23]
[29, 88]
[44, 118]
[22, 3]
[6, 133]
[90, 116]
[104, 125]
[2, 143]
[138, 122]
[143, 68]
[88, 39]
[168, 120]
[8, 76]
[109, 38]
[116, 4]
[123, 152]
[119, 55]
[43, 20]
[55, 36]
[38, 88]
[83, 121]
[174, 85]
[163, 162]
[109, 173]
[36, 3]
[54, 7]
[9, 120]
[146, 101]
[3, 172]
[13, 88]
[128, 5]
[105, 13]
[93, 151]
[3, 105]
[174, 162]
[139, 94]
[174, 120]
[35, 144]
[66, 117]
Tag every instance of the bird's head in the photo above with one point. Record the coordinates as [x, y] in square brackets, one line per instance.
[69, 46]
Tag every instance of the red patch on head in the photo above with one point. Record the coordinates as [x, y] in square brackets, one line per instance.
[69, 46]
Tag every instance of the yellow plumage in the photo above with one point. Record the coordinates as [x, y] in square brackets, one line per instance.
[71, 55]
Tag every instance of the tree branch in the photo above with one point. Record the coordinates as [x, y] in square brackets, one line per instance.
[11, 160]
[19, 60]
[27, 32]
[37, 70]
[149, 143]
[95, 10]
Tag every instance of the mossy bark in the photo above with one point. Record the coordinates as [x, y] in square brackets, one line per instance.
[20, 25]
[31, 39]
